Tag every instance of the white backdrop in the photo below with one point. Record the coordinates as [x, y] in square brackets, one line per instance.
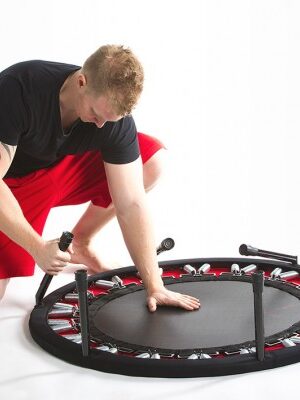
[222, 92]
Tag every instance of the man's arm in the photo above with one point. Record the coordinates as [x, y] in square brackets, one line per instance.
[127, 191]
[16, 227]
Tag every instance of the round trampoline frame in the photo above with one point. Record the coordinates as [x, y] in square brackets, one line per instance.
[114, 357]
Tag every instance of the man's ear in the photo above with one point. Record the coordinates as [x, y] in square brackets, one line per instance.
[81, 80]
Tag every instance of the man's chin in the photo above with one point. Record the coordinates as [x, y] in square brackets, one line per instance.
[86, 120]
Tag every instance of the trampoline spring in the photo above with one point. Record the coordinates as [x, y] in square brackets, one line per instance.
[102, 348]
[295, 339]
[63, 306]
[288, 342]
[60, 312]
[193, 357]
[113, 350]
[75, 296]
[155, 356]
[204, 269]
[276, 273]
[235, 269]
[248, 269]
[248, 350]
[59, 328]
[143, 355]
[118, 281]
[76, 338]
[244, 351]
[189, 269]
[204, 356]
[57, 321]
[104, 284]
[108, 349]
[289, 275]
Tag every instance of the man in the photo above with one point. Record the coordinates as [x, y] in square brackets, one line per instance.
[67, 137]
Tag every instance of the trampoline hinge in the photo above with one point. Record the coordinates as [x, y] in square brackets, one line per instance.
[258, 286]
[82, 287]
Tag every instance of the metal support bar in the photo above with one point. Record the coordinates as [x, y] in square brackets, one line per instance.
[82, 286]
[258, 286]
[246, 250]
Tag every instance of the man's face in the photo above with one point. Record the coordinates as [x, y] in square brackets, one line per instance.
[95, 109]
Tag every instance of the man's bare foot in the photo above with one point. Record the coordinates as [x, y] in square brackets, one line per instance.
[86, 254]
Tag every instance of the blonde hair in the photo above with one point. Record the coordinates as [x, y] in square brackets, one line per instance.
[116, 72]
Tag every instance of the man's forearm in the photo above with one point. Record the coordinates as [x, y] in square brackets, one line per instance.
[138, 235]
[14, 224]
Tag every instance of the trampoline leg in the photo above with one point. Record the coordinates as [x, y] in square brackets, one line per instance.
[258, 286]
[82, 286]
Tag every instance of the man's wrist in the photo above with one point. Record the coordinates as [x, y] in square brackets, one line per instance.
[36, 246]
[154, 285]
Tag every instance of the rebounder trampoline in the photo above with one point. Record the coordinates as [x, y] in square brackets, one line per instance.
[225, 336]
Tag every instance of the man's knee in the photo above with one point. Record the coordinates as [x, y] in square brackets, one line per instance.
[153, 169]
[3, 285]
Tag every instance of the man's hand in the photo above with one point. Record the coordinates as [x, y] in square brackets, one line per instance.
[165, 297]
[50, 258]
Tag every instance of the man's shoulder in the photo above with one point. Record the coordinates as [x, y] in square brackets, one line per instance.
[38, 68]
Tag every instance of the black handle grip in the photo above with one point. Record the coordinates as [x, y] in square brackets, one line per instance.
[64, 242]
[166, 244]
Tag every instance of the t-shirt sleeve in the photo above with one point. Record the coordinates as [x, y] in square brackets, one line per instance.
[13, 114]
[121, 146]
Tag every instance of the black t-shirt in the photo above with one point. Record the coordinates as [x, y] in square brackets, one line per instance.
[30, 118]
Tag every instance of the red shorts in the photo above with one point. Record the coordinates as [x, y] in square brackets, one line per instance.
[76, 179]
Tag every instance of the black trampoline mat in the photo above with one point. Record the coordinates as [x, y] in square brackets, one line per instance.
[226, 316]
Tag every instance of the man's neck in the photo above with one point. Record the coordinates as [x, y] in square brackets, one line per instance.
[67, 101]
